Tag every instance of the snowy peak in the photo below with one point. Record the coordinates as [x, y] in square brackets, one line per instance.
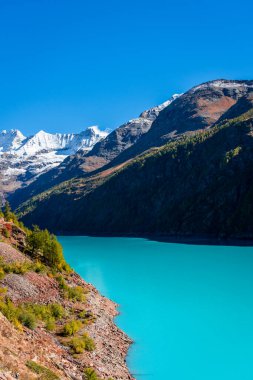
[226, 84]
[10, 140]
[43, 141]
[152, 113]
[64, 143]
[91, 136]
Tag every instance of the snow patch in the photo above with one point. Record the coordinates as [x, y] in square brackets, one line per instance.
[224, 84]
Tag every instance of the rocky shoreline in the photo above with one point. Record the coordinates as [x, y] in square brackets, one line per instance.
[17, 347]
[112, 344]
[240, 241]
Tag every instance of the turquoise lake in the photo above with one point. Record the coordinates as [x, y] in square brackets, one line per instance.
[188, 308]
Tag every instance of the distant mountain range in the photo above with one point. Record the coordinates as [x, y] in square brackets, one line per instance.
[184, 168]
[23, 159]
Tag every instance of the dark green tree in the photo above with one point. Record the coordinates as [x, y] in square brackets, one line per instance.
[7, 211]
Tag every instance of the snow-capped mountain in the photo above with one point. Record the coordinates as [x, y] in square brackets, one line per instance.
[22, 159]
[237, 85]
[14, 142]
[10, 140]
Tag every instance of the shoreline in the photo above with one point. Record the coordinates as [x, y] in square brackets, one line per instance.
[179, 239]
[112, 343]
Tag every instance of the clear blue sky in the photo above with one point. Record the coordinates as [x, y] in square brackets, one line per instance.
[67, 64]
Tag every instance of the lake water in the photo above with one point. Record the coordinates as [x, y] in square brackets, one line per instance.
[188, 308]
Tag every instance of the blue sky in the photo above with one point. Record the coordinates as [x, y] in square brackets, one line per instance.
[68, 64]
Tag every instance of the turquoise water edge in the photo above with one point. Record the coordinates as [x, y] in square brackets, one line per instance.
[189, 308]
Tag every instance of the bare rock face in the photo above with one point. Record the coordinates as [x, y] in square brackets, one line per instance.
[31, 287]
[11, 255]
[200, 107]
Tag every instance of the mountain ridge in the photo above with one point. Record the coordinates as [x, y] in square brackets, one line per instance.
[194, 182]
[20, 145]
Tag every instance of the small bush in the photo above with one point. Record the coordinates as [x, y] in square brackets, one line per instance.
[89, 343]
[72, 327]
[75, 293]
[3, 291]
[38, 267]
[81, 344]
[6, 233]
[1, 273]
[50, 324]
[87, 316]
[9, 310]
[77, 345]
[82, 314]
[57, 311]
[28, 320]
[90, 374]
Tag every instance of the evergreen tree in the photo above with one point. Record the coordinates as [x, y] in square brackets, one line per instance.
[8, 215]
[1, 209]
[45, 246]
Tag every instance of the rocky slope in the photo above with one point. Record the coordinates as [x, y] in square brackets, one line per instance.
[40, 352]
[23, 159]
[197, 184]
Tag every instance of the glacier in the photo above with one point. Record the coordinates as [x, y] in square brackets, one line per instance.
[22, 159]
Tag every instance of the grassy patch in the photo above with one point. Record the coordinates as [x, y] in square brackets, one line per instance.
[21, 268]
[44, 372]
[75, 293]
[29, 314]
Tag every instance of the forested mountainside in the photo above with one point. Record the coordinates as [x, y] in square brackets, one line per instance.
[53, 325]
[188, 174]
[199, 184]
